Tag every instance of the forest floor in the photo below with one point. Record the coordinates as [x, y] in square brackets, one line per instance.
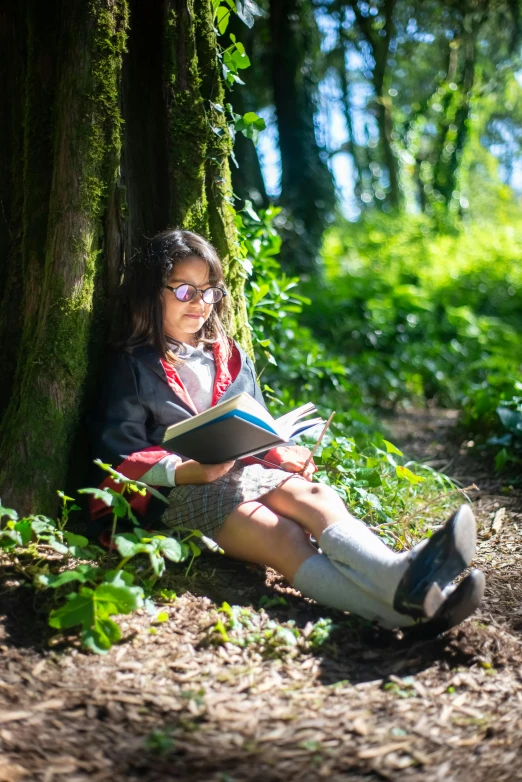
[366, 705]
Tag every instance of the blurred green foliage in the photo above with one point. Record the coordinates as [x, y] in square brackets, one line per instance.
[423, 315]
[420, 314]
[404, 314]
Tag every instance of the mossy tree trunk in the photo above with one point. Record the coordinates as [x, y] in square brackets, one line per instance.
[109, 136]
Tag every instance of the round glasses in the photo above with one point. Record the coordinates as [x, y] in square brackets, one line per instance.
[187, 292]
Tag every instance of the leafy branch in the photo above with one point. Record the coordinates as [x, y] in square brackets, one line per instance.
[99, 590]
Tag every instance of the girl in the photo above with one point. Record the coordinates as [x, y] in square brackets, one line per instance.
[175, 360]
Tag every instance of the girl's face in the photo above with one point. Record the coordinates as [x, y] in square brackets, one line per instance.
[181, 320]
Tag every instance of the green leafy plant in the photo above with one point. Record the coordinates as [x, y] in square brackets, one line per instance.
[377, 482]
[92, 594]
[92, 609]
[256, 630]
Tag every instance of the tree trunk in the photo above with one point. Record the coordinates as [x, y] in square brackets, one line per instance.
[247, 177]
[292, 29]
[381, 49]
[351, 145]
[116, 143]
[456, 112]
[379, 43]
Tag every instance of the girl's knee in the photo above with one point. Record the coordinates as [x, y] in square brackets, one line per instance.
[254, 523]
[319, 491]
[288, 534]
[290, 546]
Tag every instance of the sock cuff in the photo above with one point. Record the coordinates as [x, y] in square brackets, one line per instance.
[306, 571]
[331, 531]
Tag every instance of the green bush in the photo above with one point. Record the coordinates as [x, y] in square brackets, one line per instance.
[419, 315]
[416, 315]
[403, 314]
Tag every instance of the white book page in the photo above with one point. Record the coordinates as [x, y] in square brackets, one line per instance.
[295, 415]
[295, 423]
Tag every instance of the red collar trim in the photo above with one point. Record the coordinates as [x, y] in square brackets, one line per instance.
[176, 384]
[226, 373]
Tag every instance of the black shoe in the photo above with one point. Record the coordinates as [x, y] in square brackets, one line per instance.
[444, 556]
[463, 602]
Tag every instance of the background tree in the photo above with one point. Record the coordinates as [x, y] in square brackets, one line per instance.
[407, 74]
[110, 133]
[470, 49]
[285, 47]
[307, 191]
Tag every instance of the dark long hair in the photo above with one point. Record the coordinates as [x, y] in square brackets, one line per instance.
[141, 303]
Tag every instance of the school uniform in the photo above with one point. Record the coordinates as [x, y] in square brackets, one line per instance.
[142, 396]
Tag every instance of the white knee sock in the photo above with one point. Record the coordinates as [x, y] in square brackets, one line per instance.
[373, 566]
[319, 579]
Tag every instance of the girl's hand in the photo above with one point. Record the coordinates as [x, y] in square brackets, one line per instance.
[294, 457]
[195, 472]
[295, 466]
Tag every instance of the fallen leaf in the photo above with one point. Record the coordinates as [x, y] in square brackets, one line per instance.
[471, 742]
[11, 772]
[63, 765]
[498, 521]
[384, 749]
[14, 716]
[54, 703]
[360, 726]
[38, 668]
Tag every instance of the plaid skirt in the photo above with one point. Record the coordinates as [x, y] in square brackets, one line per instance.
[206, 506]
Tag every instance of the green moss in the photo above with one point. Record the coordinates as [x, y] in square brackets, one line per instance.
[105, 131]
[218, 184]
[44, 411]
[187, 123]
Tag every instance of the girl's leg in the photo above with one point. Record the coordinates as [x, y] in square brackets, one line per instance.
[351, 545]
[254, 533]
[314, 506]
[409, 581]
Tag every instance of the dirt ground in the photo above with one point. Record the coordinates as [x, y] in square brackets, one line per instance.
[367, 705]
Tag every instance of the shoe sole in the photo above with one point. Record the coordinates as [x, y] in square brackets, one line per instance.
[464, 545]
[460, 605]
[457, 541]
[465, 600]
[433, 600]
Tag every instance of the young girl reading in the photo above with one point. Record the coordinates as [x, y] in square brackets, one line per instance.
[175, 360]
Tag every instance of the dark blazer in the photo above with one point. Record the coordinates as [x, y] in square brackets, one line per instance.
[142, 395]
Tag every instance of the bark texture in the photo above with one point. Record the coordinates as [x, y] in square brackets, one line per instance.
[378, 42]
[107, 139]
[293, 33]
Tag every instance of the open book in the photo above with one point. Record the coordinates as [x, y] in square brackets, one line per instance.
[235, 428]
